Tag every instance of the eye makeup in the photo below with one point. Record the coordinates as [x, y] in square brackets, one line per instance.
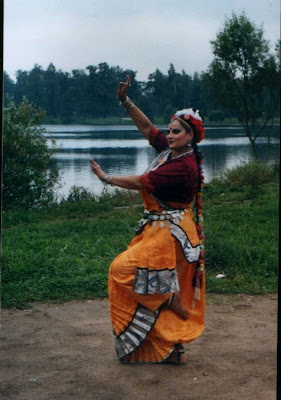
[175, 131]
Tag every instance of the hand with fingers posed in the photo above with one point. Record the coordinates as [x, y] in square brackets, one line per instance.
[123, 89]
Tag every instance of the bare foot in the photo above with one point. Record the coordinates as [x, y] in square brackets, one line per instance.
[177, 307]
[178, 356]
[176, 359]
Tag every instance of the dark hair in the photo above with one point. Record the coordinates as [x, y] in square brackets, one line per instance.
[200, 267]
[198, 154]
[185, 126]
[199, 160]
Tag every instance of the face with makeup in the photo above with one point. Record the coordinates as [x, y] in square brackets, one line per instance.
[178, 138]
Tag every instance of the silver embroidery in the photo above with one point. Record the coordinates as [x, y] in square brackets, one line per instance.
[136, 332]
[191, 253]
[156, 281]
[172, 219]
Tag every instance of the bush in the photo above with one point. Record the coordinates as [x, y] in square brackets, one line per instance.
[29, 173]
[79, 193]
[252, 174]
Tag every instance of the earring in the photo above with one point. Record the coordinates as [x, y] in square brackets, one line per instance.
[188, 144]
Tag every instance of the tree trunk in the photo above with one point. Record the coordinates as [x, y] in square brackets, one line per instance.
[254, 149]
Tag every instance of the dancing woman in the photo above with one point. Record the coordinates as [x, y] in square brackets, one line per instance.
[156, 286]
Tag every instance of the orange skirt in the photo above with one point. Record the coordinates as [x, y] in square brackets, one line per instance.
[141, 279]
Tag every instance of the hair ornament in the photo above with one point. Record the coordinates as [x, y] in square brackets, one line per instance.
[194, 118]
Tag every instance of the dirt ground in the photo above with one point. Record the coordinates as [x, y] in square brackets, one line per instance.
[66, 351]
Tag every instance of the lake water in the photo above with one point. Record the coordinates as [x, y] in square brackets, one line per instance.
[122, 150]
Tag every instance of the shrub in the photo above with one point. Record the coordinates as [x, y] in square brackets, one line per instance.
[251, 174]
[79, 193]
[29, 173]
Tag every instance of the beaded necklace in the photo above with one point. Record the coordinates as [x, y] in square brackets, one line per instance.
[163, 157]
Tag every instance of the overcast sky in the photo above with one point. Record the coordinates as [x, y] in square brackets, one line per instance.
[141, 35]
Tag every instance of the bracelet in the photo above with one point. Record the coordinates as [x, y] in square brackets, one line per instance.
[110, 180]
[125, 102]
[104, 178]
[130, 108]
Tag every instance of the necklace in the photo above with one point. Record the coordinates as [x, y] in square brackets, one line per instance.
[163, 157]
[187, 153]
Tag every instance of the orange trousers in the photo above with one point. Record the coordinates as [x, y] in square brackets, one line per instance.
[145, 332]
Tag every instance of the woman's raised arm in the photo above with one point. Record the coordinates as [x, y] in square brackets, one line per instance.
[141, 121]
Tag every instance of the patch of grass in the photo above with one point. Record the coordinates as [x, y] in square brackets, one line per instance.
[61, 257]
[63, 252]
[241, 238]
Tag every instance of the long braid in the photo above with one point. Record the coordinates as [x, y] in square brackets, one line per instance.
[197, 282]
[191, 119]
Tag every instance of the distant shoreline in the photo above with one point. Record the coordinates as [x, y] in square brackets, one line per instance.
[229, 122]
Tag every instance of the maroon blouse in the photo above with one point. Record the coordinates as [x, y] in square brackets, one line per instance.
[174, 181]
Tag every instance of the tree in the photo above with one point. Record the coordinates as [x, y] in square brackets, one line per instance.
[51, 90]
[8, 85]
[29, 173]
[245, 75]
[156, 88]
[216, 115]
[208, 101]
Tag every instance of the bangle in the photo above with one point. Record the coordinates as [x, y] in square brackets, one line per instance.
[106, 181]
[104, 178]
[132, 105]
[125, 102]
[110, 180]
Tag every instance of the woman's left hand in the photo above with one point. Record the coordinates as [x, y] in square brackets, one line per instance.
[97, 169]
[123, 89]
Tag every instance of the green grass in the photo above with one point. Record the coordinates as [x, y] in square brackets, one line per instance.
[241, 227]
[241, 242]
[63, 252]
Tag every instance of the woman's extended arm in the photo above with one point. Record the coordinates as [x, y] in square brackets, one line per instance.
[132, 182]
[141, 121]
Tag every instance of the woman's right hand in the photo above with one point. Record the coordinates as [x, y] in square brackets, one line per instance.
[123, 89]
